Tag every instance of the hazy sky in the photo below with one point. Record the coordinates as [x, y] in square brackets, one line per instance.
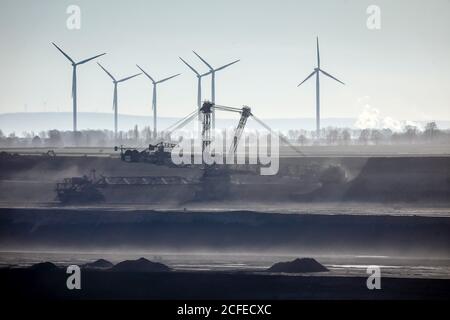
[403, 69]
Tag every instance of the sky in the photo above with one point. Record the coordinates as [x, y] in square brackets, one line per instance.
[402, 69]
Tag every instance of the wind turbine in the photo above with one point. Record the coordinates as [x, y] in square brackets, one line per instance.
[199, 85]
[316, 72]
[213, 71]
[154, 96]
[115, 100]
[74, 81]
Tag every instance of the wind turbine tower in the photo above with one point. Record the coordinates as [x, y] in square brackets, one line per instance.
[74, 81]
[316, 72]
[115, 98]
[155, 131]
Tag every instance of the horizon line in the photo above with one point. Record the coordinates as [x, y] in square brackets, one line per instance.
[151, 116]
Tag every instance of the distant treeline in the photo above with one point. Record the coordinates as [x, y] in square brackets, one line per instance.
[141, 137]
[345, 136]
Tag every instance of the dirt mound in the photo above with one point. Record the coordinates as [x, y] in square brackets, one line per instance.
[298, 266]
[98, 264]
[140, 265]
[44, 267]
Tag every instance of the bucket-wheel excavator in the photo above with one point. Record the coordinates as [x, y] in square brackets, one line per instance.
[161, 152]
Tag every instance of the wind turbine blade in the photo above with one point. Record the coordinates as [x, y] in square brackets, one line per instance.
[227, 65]
[168, 78]
[87, 60]
[318, 55]
[190, 67]
[145, 73]
[307, 78]
[329, 75]
[109, 74]
[128, 78]
[65, 54]
[203, 60]
[274, 133]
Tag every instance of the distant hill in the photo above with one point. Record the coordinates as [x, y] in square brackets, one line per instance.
[43, 121]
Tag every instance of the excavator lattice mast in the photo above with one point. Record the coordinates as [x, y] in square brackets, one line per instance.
[206, 109]
[246, 112]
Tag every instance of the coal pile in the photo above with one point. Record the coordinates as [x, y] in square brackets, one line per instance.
[303, 265]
